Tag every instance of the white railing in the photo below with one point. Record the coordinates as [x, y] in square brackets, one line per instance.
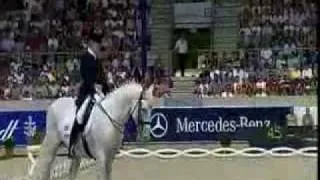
[62, 168]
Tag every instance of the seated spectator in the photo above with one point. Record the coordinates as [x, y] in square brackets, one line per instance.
[15, 91]
[27, 89]
[41, 88]
[307, 72]
[237, 86]
[53, 43]
[266, 57]
[26, 96]
[202, 61]
[53, 89]
[261, 88]
[6, 92]
[7, 43]
[216, 86]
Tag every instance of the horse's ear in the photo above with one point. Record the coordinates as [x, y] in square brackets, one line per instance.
[151, 89]
[148, 81]
[152, 96]
[158, 90]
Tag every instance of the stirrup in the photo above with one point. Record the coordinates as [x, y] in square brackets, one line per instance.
[71, 151]
[99, 93]
[77, 107]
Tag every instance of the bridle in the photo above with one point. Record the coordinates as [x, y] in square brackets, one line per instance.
[119, 126]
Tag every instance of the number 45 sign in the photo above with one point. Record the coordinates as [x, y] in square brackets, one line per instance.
[275, 132]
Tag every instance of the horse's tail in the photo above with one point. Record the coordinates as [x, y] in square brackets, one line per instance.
[51, 119]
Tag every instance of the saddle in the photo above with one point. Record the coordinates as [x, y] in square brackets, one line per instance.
[82, 115]
[84, 111]
[80, 122]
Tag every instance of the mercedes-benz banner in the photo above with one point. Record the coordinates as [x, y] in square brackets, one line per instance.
[190, 124]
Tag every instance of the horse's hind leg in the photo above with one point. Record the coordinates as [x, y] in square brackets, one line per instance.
[75, 164]
[48, 151]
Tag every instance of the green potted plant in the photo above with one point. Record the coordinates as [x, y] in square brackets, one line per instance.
[37, 138]
[225, 141]
[9, 145]
[1, 147]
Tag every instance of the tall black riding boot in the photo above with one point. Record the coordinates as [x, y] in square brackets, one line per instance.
[73, 137]
[74, 130]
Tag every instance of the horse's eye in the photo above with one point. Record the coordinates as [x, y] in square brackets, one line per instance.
[144, 111]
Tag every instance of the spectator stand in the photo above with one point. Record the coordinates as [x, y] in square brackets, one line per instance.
[47, 40]
[277, 53]
[237, 74]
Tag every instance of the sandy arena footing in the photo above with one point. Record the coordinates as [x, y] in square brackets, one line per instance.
[235, 168]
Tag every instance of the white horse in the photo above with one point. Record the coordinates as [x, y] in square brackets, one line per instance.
[104, 131]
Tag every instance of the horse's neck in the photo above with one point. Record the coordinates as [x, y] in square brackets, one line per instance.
[119, 102]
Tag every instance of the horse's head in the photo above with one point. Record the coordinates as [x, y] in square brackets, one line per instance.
[141, 108]
[136, 99]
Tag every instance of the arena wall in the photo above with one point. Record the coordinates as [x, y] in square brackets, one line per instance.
[235, 101]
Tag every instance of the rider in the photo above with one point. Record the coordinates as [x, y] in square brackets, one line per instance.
[88, 73]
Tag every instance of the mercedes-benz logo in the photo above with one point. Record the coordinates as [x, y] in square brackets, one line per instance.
[159, 125]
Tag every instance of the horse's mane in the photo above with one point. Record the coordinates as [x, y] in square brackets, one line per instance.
[123, 89]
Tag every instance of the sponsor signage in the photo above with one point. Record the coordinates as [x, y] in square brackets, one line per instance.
[167, 124]
[21, 125]
[191, 124]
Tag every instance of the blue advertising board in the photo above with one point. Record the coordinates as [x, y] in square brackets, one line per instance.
[210, 123]
[20, 125]
[166, 124]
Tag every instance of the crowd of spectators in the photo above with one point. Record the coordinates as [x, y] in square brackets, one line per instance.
[232, 82]
[36, 41]
[276, 23]
[280, 30]
[277, 52]
[232, 74]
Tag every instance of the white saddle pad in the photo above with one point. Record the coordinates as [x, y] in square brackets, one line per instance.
[66, 124]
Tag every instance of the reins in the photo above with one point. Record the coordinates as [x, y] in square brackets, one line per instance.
[119, 126]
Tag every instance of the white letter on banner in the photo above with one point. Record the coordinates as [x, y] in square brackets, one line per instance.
[259, 123]
[218, 125]
[225, 126]
[191, 127]
[7, 133]
[233, 126]
[211, 126]
[198, 126]
[182, 126]
[267, 123]
[204, 126]
[243, 121]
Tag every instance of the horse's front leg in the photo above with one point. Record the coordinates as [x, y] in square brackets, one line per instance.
[104, 165]
[74, 168]
[101, 169]
[109, 162]
[109, 169]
